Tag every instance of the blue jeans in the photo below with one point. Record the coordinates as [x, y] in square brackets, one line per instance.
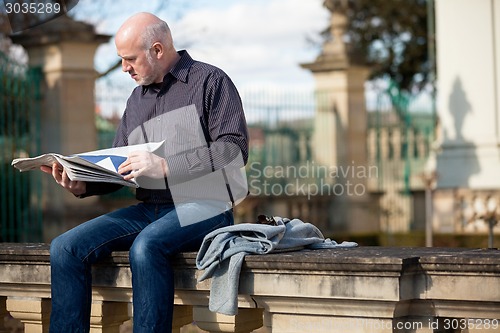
[152, 233]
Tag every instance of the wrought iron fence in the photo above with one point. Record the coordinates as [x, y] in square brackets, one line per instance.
[20, 206]
[281, 127]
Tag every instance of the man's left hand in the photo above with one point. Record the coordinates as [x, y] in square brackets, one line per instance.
[143, 163]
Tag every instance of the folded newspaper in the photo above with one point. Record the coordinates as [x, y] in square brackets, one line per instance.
[95, 166]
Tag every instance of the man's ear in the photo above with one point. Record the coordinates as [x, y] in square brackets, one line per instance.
[158, 50]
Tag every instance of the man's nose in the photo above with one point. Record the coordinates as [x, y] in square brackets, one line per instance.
[125, 65]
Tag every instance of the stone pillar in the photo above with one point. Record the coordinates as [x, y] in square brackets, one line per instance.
[3, 314]
[245, 321]
[34, 313]
[106, 317]
[183, 315]
[64, 49]
[340, 132]
[468, 103]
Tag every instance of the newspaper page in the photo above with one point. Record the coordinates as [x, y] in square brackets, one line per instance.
[94, 166]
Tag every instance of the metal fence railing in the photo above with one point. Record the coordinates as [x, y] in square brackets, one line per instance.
[281, 127]
[20, 206]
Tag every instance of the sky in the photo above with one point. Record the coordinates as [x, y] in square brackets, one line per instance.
[257, 42]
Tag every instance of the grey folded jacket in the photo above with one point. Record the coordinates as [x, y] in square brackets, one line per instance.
[223, 250]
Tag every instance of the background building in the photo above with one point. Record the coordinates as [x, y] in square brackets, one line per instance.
[468, 153]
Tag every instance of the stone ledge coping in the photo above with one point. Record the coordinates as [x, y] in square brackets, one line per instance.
[353, 259]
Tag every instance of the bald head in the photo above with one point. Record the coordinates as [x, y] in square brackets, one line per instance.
[145, 28]
[144, 35]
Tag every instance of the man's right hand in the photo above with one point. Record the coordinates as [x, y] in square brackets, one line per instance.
[61, 177]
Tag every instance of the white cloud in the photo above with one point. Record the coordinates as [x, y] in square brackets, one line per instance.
[255, 42]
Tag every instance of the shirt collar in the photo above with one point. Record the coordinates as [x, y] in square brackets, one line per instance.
[180, 70]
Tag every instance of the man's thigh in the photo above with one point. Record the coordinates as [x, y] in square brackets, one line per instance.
[168, 232]
[100, 236]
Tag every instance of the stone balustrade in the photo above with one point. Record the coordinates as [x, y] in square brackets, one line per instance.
[364, 289]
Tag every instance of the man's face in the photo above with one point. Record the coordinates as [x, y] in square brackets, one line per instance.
[139, 63]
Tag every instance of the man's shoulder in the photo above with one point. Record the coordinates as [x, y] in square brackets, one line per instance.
[201, 67]
[207, 68]
[188, 67]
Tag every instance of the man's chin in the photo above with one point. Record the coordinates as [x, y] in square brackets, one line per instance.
[143, 81]
[139, 80]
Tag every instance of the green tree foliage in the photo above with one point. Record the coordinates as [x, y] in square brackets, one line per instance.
[392, 36]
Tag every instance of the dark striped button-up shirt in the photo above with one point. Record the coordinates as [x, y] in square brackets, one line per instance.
[198, 112]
